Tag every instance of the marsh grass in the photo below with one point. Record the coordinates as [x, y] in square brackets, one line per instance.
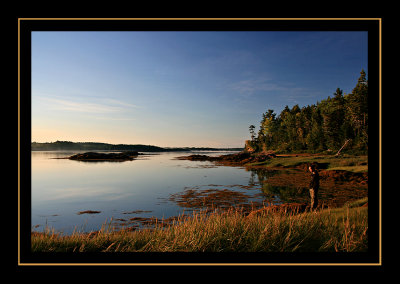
[343, 162]
[331, 230]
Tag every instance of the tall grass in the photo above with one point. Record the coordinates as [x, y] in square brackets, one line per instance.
[340, 230]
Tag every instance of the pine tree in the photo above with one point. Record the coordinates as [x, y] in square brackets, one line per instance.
[315, 137]
[251, 129]
[268, 125]
[357, 110]
[333, 114]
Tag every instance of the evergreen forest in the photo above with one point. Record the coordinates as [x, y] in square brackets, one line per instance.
[328, 125]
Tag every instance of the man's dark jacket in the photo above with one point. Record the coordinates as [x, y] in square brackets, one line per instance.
[314, 182]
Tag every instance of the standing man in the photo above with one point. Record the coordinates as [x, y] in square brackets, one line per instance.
[314, 186]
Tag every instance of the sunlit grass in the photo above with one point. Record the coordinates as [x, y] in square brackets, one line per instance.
[343, 162]
[337, 230]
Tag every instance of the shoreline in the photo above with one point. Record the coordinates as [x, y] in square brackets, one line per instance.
[292, 173]
[320, 231]
[343, 179]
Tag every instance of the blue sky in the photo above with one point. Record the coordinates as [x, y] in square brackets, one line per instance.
[174, 89]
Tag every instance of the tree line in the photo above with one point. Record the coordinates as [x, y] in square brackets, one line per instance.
[324, 126]
[95, 146]
[92, 146]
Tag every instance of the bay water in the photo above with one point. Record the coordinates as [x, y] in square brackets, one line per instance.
[65, 191]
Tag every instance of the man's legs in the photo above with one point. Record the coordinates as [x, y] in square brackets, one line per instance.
[314, 198]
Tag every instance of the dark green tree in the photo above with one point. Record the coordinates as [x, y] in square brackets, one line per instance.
[357, 110]
[333, 114]
[251, 129]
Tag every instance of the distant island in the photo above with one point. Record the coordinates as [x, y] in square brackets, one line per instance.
[97, 146]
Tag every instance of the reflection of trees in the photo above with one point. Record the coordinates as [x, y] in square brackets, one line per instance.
[252, 181]
[262, 175]
[284, 193]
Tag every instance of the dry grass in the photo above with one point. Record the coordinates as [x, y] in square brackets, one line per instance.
[341, 230]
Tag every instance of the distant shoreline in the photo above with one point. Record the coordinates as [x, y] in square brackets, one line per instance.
[97, 146]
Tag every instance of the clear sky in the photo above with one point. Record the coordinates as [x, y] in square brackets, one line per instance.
[174, 89]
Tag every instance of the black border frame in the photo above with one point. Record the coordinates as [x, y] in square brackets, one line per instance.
[372, 257]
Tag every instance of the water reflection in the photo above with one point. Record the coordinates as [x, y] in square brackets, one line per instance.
[283, 193]
[65, 187]
[262, 174]
[259, 192]
[151, 186]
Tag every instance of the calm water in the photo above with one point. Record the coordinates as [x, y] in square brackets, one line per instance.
[62, 188]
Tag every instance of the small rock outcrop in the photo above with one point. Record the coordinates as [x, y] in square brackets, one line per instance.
[93, 156]
[237, 158]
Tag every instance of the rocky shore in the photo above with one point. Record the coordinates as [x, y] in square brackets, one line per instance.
[240, 158]
[337, 184]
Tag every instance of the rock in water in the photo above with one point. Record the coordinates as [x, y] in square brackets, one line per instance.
[93, 156]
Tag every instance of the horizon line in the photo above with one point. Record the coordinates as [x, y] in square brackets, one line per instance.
[224, 147]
